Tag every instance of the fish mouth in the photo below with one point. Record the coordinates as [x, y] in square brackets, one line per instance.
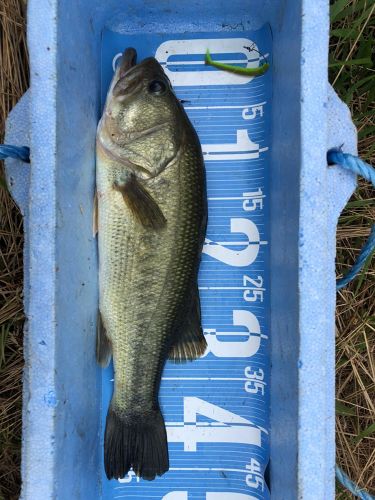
[128, 61]
[130, 75]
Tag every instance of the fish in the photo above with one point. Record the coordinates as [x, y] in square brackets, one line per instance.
[152, 219]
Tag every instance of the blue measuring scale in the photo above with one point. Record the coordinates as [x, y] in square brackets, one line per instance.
[216, 409]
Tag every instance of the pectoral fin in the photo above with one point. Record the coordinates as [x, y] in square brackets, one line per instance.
[190, 343]
[141, 203]
[103, 344]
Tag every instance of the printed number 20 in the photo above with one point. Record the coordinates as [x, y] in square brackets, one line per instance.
[236, 258]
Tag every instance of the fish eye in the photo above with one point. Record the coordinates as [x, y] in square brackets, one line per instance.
[157, 87]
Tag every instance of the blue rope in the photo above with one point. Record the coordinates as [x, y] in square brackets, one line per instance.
[349, 162]
[336, 157]
[18, 152]
[349, 485]
[366, 252]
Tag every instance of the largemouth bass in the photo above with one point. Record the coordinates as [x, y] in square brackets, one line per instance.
[152, 217]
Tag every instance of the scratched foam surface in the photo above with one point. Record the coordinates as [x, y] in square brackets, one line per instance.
[217, 408]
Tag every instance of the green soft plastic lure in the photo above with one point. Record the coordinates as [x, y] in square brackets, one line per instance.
[236, 69]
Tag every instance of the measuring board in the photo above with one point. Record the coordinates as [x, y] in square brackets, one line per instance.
[216, 409]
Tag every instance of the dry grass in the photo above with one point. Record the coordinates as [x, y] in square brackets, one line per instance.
[355, 361]
[13, 83]
[353, 30]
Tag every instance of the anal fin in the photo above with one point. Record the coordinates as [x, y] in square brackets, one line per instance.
[103, 344]
[190, 343]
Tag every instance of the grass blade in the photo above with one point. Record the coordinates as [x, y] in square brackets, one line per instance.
[337, 8]
[364, 61]
[365, 433]
[345, 410]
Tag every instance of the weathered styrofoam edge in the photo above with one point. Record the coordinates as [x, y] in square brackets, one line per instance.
[17, 175]
[17, 133]
[39, 404]
[320, 204]
[340, 186]
[318, 282]
[341, 132]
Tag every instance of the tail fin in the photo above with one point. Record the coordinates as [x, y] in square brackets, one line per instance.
[135, 441]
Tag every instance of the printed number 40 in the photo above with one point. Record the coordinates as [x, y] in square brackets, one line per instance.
[227, 428]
